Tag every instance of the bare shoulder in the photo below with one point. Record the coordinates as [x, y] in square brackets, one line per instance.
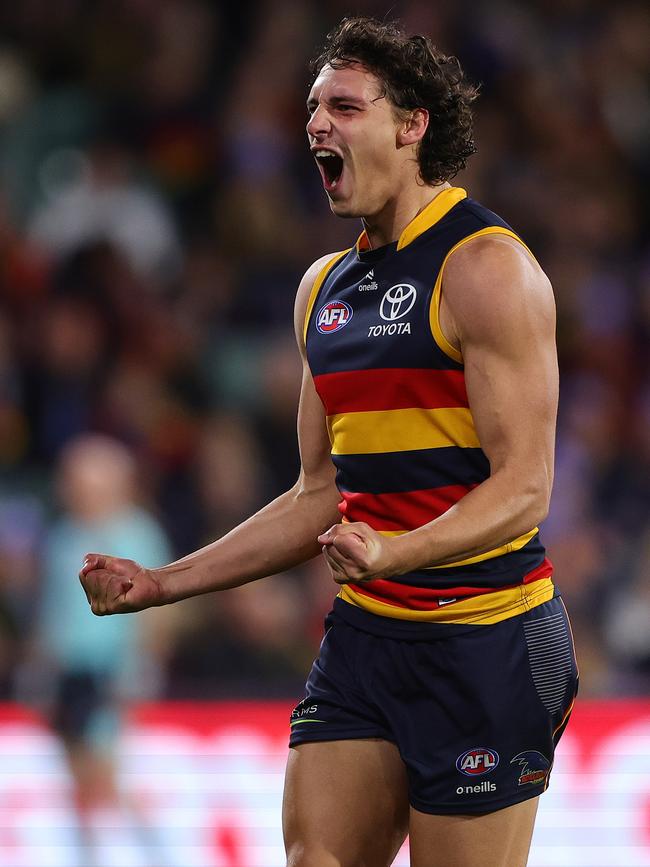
[304, 291]
[492, 282]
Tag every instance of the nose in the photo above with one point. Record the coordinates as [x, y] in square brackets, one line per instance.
[318, 123]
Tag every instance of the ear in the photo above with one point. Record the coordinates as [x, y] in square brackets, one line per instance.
[412, 130]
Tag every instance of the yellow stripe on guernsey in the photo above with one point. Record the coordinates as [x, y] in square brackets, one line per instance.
[401, 430]
[434, 312]
[483, 609]
[318, 282]
[516, 545]
[433, 213]
[443, 202]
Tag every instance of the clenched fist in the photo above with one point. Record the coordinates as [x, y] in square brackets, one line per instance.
[114, 585]
[356, 552]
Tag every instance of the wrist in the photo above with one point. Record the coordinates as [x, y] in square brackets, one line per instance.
[406, 556]
[165, 579]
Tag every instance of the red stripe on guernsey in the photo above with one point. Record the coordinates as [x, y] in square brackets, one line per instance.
[544, 570]
[402, 511]
[391, 388]
[426, 598]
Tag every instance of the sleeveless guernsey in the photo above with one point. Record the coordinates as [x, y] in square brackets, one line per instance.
[403, 439]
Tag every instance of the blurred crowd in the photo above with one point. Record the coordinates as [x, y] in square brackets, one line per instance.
[158, 206]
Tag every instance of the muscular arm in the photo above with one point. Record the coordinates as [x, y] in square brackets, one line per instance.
[499, 312]
[281, 535]
[501, 315]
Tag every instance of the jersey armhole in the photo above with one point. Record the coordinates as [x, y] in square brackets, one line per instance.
[315, 289]
[434, 310]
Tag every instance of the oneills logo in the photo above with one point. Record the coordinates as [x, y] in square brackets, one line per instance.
[371, 284]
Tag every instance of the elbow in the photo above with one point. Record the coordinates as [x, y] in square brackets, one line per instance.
[539, 514]
[319, 493]
[539, 498]
[526, 496]
[528, 499]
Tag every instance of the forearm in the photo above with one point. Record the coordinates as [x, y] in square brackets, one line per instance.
[280, 536]
[492, 514]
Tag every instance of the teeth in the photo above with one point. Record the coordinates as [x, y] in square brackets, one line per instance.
[324, 154]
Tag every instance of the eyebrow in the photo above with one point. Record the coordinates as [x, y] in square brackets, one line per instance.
[337, 100]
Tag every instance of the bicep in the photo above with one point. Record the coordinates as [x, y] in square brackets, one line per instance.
[506, 326]
[512, 393]
[317, 468]
[313, 438]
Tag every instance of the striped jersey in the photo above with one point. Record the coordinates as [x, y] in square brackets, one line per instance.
[403, 438]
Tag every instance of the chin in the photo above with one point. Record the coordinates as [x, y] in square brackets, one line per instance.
[344, 209]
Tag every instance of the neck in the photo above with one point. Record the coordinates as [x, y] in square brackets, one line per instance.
[388, 224]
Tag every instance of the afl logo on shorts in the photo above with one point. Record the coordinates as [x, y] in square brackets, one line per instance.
[478, 761]
[333, 316]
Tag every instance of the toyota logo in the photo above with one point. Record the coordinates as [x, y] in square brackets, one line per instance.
[397, 302]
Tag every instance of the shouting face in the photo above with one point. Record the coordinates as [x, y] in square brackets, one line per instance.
[355, 137]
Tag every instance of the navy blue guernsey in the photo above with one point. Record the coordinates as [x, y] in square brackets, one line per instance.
[403, 438]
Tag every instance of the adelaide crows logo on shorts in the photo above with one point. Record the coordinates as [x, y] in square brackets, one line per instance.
[477, 761]
[333, 316]
[534, 769]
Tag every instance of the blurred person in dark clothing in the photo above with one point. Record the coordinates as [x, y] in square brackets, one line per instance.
[84, 671]
[433, 410]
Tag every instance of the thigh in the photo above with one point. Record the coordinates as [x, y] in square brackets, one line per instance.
[345, 804]
[498, 839]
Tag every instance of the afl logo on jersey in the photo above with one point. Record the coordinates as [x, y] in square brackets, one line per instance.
[333, 316]
[397, 302]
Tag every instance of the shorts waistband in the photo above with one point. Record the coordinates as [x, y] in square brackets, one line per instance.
[477, 611]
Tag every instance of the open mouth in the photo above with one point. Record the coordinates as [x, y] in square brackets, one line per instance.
[331, 167]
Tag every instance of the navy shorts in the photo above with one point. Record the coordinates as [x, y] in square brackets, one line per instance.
[475, 711]
[85, 708]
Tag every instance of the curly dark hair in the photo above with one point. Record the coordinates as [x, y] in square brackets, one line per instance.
[414, 74]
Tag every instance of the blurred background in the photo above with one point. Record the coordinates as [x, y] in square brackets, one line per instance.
[158, 206]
